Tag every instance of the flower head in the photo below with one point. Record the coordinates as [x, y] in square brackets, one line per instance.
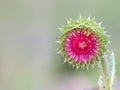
[82, 42]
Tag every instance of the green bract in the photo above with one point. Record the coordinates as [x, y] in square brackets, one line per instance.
[77, 56]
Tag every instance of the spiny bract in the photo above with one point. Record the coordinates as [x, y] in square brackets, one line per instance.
[82, 42]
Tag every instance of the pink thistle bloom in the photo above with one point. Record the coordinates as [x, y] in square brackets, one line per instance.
[82, 45]
[83, 42]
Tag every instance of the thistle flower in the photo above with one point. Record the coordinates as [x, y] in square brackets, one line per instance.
[83, 42]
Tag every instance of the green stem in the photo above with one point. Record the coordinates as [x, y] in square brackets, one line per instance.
[104, 75]
[107, 68]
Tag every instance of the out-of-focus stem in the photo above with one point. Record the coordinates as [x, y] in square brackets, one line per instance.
[104, 75]
[107, 72]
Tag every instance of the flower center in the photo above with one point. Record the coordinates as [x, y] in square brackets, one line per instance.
[82, 45]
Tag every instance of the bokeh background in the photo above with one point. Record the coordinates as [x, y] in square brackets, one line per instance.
[28, 31]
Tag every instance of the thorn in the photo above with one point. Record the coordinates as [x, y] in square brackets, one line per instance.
[92, 66]
[59, 28]
[82, 65]
[65, 60]
[73, 66]
[77, 68]
[87, 68]
[105, 31]
[57, 41]
[80, 17]
[59, 52]
[88, 18]
[68, 21]
[100, 23]
[84, 17]
[93, 18]
[109, 35]
[109, 42]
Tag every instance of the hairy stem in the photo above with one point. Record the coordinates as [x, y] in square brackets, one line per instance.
[107, 72]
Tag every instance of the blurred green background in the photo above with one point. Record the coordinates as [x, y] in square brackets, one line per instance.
[28, 31]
